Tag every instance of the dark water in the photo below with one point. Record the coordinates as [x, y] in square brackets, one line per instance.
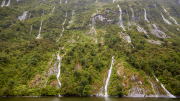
[84, 99]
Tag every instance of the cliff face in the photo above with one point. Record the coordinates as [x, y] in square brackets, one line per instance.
[90, 47]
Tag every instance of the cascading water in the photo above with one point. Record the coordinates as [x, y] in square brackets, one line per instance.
[132, 13]
[52, 11]
[3, 3]
[168, 93]
[66, 1]
[120, 18]
[113, 1]
[8, 4]
[165, 20]
[171, 17]
[60, 1]
[42, 13]
[152, 85]
[63, 26]
[24, 16]
[155, 6]
[145, 15]
[108, 78]
[174, 20]
[30, 32]
[39, 35]
[102, 39]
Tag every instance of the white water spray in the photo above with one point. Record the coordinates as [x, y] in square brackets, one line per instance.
[31, 30]
[120, 18]
[51, 12]
[108, 78]
[171, 17]
[165, 20]
[152, 85]
[8, 4]
[3, 3]
[63, 26]
[66, 1]
[155, 6]
[132, 12]
[42, 13]
[24, 16]
[168, 93]
[39, 35]
[145, 15]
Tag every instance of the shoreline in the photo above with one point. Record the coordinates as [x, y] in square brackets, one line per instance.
[95, 96]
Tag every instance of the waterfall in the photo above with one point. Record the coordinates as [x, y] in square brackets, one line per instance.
[96, 0]
[171, 17]
[142, 30]
[155, 6]
[8, 4]
[23, 17]
[165, 10]
[31, 30]
[3, 3]
[120, 18]
[168, 93]
[113, 1]
[51, 12]
[60, 1]
[145, 15]
[152, 85]
[17, 0]
[59, 68]
[108, 78]
[132, 13]
[66, 1]
[165, 20]
[63, 26]
[39, 35]
[102, 39]
[174, 20]
[42, 13]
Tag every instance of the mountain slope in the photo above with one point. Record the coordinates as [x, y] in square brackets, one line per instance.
[65, 47]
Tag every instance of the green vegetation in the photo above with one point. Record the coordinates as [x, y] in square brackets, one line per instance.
[25, 61]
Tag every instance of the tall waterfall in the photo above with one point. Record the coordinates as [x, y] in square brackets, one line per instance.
[59, 68]
[174, 20]
[108, 78]
[51, 11]
[171, 17]
[63, 26]
[168, 93]
[8, 4]
[152, 85]
[132, 13]
[39, 35]
[165, 20]
[42, 13]
[145, 15]
[155, 6]
[120, 18]
[24, 16]
[3, 3]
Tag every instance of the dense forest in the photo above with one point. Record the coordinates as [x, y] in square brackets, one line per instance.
[67, 47]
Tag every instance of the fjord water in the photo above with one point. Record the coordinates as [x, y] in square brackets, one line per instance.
[85, 99]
